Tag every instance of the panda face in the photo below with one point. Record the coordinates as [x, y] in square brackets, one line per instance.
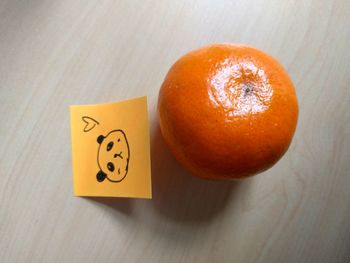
[113, 156]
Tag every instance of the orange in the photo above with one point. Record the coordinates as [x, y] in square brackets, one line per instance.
[227, 111]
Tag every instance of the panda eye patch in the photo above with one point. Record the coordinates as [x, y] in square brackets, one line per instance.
[109, 146]
[110, 166]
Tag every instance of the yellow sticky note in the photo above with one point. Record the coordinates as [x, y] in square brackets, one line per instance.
[111, 149]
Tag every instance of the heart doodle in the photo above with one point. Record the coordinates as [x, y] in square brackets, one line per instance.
[90, 123]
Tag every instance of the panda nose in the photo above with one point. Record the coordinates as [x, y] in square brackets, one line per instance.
[118, 155]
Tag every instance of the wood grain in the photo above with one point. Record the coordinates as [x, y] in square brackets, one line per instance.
[57, 53]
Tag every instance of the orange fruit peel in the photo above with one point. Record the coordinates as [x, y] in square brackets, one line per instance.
[227, 111]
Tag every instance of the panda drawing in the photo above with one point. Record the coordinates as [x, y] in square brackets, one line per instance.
[113, 156]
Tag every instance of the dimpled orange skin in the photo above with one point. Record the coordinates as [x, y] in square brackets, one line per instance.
[227, 111]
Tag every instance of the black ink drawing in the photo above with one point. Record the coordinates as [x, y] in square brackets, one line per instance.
[90, 123]
[113, 156]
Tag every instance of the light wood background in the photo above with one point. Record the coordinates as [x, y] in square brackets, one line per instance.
[57, 53]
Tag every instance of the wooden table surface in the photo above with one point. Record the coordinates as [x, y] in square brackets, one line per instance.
[57, 53]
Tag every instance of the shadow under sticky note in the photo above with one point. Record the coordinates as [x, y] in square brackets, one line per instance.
[111, 149]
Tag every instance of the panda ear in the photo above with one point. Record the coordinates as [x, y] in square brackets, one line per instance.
[101, 176]
[100, 139]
